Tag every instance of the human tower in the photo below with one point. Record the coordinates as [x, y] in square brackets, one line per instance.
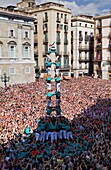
[53, 130]
[49, 79]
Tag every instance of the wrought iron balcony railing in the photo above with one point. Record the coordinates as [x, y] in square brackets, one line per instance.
[58, 19]
[80, 38]
[45, 19]
[83, 48]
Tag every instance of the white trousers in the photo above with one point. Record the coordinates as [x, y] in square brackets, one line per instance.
[62, 134]
[37, 136]
[49, 71]
[57, 72]
[58, 87]
[48, 86]
[69, 135]
[42, 136]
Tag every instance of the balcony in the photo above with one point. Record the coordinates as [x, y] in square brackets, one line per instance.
[65, 42]
[66, 30]
[86, 38]
[65, 21]
[58, 19]
[98, 46]
[98, 36]
[80, 38]
[45, 41]
[58, 41]
[83, 48]
[83, 59]
[45, 19]
[66, 53]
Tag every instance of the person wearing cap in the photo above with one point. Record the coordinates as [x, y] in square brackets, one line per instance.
[48, 111]
[49, 95]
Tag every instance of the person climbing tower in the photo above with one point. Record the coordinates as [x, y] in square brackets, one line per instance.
[57, 79]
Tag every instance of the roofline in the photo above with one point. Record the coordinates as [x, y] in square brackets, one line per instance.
[108, 15]
[16, 16]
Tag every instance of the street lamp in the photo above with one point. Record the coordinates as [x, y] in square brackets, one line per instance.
[5, 79]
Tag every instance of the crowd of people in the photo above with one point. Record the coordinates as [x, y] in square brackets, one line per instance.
[86, 113]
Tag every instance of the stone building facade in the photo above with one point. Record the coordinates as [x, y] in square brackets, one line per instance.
[82, 45]
[16, 46]
[102, 46]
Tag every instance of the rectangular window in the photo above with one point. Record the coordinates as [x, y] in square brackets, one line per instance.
[59, 59]
[35, 29]
[58, 37]
[26, 34]
[65, 49]
[58, 48]
[45, 59]
[46, 48]
[11, 33]
[27, 70]
[65, 38]
[26, 52]
[11, 51]
[99, 55]
[12, 70]
[66, 61]
[61, 26]
[46, 14]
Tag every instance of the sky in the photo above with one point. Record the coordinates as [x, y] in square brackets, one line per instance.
[87, 7]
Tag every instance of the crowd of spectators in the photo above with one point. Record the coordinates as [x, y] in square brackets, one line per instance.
[86, 109]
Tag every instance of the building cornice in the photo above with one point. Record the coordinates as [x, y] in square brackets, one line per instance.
[40, 9]
[103, 16]
[15, 15]
[82, 20]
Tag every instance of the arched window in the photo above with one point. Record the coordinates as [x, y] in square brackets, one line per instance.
[12, 49]
[26, 50]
